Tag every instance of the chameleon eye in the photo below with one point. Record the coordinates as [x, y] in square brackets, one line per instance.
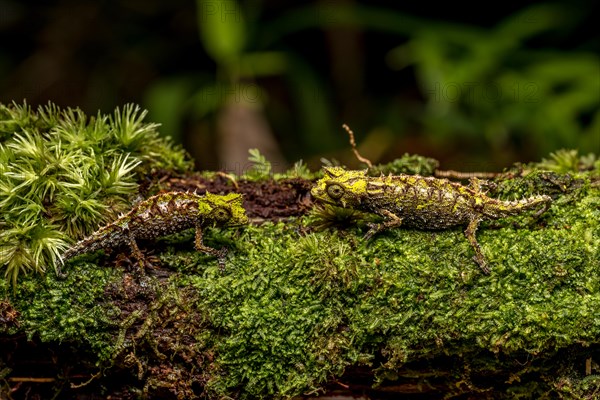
[335, 191]
[221, 214]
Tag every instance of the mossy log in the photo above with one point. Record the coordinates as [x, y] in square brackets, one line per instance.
[305, 306]
[303, 310]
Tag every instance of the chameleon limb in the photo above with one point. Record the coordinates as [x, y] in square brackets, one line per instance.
[137, 253]
[470, 234]
[60, 274]
[475, 184]
[542, 210]
[199, 244]
[392, 221]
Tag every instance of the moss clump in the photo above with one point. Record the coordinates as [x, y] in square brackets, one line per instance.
[407, 164]
[565, 161]
[62, 174]
[73, 309]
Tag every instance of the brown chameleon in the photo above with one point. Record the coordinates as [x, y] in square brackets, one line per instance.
[165, 214]
[419, 202]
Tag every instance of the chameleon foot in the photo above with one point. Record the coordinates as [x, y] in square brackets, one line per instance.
[221, 259]
[373, 229]
[480, 260]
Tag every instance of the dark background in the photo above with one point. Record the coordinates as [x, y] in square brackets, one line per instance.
[477, 87]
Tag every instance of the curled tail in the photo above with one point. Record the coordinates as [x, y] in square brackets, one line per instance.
[498, 208]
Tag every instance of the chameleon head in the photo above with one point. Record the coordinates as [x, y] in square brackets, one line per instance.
[341, 187]
[223, 210]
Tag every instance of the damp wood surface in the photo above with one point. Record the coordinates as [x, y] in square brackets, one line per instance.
[267, 200]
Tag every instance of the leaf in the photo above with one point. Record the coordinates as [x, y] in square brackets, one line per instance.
[208, 99]
[166, 101]
[222, 29]
[263, 63]
[261, 168]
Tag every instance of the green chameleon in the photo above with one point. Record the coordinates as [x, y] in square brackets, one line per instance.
[419, 202]
[162, 215]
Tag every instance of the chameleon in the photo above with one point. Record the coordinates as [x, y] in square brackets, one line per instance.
[165, 214]
[420, 202]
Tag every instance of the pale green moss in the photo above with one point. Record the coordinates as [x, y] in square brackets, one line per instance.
[63, 174]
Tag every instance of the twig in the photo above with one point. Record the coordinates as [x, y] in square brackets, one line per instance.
[229, 177]
[77, 386]
[342, 384]
[464, 175]
[29, 379]
[354, 149]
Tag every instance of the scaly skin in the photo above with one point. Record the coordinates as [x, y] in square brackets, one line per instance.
[162, 215]
[419, 202]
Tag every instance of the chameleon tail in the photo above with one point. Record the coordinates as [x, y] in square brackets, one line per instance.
[103, 238]
[499, 209]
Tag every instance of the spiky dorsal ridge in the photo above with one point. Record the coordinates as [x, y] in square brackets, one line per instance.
[211, 198]
[532, 201]
[233, 198]
[333, 172]
[229, 198]
[337, 172]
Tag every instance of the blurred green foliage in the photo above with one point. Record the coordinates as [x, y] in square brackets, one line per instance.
[491, 89]
[488, 88]
[492, 84]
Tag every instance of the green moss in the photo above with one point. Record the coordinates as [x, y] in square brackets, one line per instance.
[295, 311]
[407, 164]
[565, 161]
[71, 310]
